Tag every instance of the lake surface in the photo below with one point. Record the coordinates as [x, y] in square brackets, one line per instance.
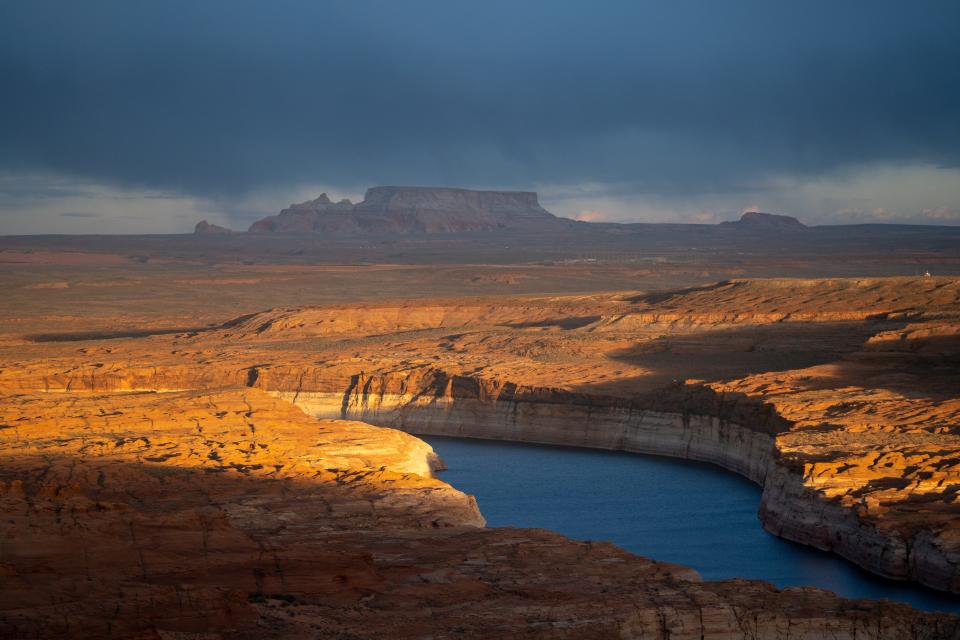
[678, 511]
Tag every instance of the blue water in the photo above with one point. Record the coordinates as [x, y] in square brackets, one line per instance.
[679, 511]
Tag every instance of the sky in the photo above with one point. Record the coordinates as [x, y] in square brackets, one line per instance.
[131, 116]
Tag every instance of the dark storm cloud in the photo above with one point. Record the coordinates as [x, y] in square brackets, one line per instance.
[213, 98]
[79, 214]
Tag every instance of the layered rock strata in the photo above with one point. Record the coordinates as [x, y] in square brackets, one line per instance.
[147, 515]
[688, 423]
[849, 515]
[838, 396]
[230, 514]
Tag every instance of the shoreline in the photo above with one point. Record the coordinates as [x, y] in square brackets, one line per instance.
[787, 508]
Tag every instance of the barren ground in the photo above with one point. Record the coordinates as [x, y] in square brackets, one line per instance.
[174, 459]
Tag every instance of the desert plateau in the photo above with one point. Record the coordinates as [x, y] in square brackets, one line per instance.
[182, 459]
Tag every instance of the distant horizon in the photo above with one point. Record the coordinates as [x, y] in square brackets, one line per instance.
[734, 217]
[234, 231]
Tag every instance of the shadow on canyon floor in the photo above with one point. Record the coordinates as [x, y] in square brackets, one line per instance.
[727, 354]
[657, 297]
[81, 336]
[186, 550]
[572, 322]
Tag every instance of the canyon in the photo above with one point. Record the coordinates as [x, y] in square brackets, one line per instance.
[177, 464]
[479, 321]
[233, 514]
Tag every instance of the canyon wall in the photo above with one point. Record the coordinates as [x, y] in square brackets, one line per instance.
[689, 422]
[733, 433]
[619, 427]
[692, 422]
[792, 510]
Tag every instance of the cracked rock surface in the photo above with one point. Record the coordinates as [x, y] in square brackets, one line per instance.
[229, 482]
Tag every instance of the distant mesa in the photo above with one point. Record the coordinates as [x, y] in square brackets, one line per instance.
[766, 221]
[413, 210]
[435, 210]
[204, 228]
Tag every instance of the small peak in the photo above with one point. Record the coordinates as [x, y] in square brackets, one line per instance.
[205, 228]
[321, 201]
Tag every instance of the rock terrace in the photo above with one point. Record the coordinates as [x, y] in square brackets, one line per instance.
[164, 484]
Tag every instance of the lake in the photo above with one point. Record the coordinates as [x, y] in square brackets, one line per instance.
[679, 511]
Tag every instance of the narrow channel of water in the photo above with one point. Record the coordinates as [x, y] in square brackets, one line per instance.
[678, 511]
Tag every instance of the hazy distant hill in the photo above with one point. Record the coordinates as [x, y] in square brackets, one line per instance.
[756, 221]
[414, 210]
[444, 226]
[406, 210]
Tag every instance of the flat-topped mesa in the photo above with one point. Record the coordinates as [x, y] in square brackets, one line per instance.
[442, 199]
[394, 209]
[757, 221]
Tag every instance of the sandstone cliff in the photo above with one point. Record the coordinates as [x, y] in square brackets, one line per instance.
[839, 397]
[228, 514]
[874, 375]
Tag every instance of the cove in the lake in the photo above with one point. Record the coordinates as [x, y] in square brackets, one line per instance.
[679, 511]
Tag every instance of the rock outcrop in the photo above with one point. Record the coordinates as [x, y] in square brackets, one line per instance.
[870, 497]
[746, 374]
[205, 228]
[757, 221]
[229, 507]
[411, 210]
[139, 515]
[228, 514]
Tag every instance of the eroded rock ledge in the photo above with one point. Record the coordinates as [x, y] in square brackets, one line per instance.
[729, 429]
[230, 514]
[839, 396]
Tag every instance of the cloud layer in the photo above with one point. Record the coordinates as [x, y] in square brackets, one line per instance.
[667, 102]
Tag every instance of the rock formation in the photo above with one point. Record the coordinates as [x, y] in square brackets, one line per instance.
[229, 514]
[411, 210]
[756, 221]
[404, 210]
[205, 228]
[596, 371]
[175, 513]
[164, 481]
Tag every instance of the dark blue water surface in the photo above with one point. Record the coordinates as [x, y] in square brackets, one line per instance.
[679, 511]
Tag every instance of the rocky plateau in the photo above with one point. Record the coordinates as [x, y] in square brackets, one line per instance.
[255, 476]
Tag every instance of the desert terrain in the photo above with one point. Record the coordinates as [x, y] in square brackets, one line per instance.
[214, 435]
[218, 444]
[483, 320]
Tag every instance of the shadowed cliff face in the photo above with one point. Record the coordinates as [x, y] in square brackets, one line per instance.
[414, 210]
